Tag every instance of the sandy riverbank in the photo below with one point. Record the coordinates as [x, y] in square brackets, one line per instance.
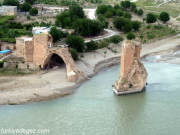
[53, 84]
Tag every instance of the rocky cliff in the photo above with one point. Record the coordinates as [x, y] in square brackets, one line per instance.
[133, 74]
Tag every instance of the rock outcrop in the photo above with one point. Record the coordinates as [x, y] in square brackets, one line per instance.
[133, 74]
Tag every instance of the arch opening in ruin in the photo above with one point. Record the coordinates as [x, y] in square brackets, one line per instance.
[73, 73]
[54, 60]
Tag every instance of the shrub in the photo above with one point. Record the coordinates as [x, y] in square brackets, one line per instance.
[75, 42]
[127, 27]
[116, 39]
[158, 26]
[4, 19]
[112, 10]
[120, 22]
[125, 4]
[102, 44]
[119, 12]
[101, 9]
[90, 46]
[127, 15]
[108, 14]
[130, 35]
[28, 17]
[136, 25]
[74, 53]
[148, 26]
[33, 11]
[133, 6]
[135, 10]
[140, 12]
[10, 40]
[150, 36]
[82, 56]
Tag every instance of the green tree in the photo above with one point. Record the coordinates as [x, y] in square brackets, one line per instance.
[74, 53]
[136, 25]
[140, 12]
[60, 19]
[116, 7]
[101, 18]
[11, 2]
[30, 1]
[135, 10]
[127, 27]
[119, 12]
[56, 34]
[127, 15]
[67, 22]
[75, 42]
[112, 10]
[28, 17]
[2, 34]
[125, 4]
[116, 39]
[33, 11]
[101, 9]
[25, 7]
[76, 10]
[150, 18]
[108, 14]
[87, 27]
[130, 35]
[133, 6]
[164, 16]
[11, 34]
[90, 46]
[120, 22]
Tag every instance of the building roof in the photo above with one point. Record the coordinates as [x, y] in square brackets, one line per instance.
[25, 38]
[39, 28]
[6, 6]
[4, 51]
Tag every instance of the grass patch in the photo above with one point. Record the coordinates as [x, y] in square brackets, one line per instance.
[4, 19]
[142, 3]
[18, 72]
[153, 33]
[168, 7]
[178, 19]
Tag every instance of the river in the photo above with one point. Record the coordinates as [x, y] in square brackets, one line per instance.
[95, 110]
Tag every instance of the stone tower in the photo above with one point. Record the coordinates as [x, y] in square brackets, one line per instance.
[42, 42]
[133, 74]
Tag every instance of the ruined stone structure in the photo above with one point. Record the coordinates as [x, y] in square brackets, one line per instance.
[133, 74]
[39, 49]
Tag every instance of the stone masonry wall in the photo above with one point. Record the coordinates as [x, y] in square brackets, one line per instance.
[20, 48]
[40, 48]
[28, 51]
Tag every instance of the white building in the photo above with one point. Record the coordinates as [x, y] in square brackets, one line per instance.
[37, 30]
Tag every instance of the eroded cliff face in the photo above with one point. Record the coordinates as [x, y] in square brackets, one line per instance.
[133, 74]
